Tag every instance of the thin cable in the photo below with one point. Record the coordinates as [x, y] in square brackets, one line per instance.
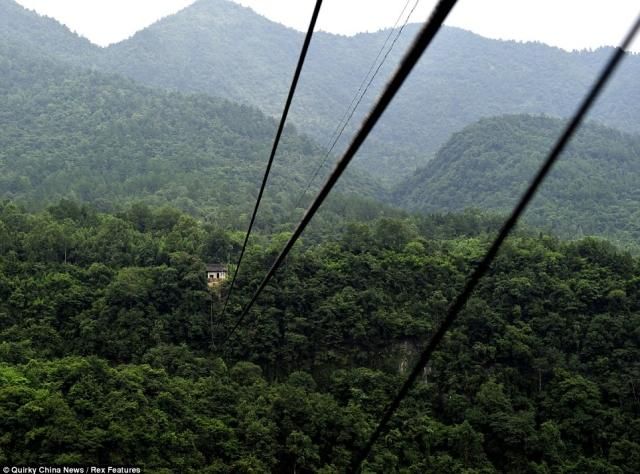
[420, 44]
[366, 77]
[350, 112]
[506, 229]
[211, 322]
[285, 112]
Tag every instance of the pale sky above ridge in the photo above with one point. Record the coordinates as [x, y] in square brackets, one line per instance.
[569, 24]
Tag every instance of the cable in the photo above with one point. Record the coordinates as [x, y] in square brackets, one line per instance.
[350, 112]
[506, 229]
[357, 98]
[420, 44]
[283, 119]
[364, 79]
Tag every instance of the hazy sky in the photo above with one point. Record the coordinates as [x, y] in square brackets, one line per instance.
[569, 24]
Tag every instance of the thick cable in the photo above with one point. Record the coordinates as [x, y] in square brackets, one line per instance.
[420, 44]
[360, 94]
[283, 119]
[506, 229]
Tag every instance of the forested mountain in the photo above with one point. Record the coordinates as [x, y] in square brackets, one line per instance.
[85, 135]
[593, 190]
[41, 34]
[102, 139]
[463, 77]
[105, 350]
[226, 50]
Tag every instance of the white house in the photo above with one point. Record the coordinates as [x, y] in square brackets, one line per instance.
[216, 272]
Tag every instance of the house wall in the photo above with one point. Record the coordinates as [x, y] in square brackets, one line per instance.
[216, 275]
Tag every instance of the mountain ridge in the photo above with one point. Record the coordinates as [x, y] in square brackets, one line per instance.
[591, 191]
[41, 33]
[463, 78]
[103, 139]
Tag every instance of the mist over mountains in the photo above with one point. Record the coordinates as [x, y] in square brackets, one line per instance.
[228, 51]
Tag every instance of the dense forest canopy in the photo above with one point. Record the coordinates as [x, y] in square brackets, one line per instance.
[102, 139]
[105, 140]
[593, 190]
[461, 79]
[106, 348]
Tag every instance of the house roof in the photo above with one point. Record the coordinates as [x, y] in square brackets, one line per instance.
[216, 267]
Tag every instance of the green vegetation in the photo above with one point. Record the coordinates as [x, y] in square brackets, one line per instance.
[593, 190]
[222, 49]
[462, 78]
[41, 34]
[105, 354]
[110, 339]
[102, 139]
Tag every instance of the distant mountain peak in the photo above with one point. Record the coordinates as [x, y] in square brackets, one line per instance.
[20, 25]
[223, 49]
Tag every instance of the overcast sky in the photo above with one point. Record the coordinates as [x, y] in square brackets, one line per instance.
[569, 24]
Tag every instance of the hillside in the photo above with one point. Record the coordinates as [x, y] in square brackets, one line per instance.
[105, 353]
[102, 139]
[41, 34]
[225, 50]
[593, 190]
